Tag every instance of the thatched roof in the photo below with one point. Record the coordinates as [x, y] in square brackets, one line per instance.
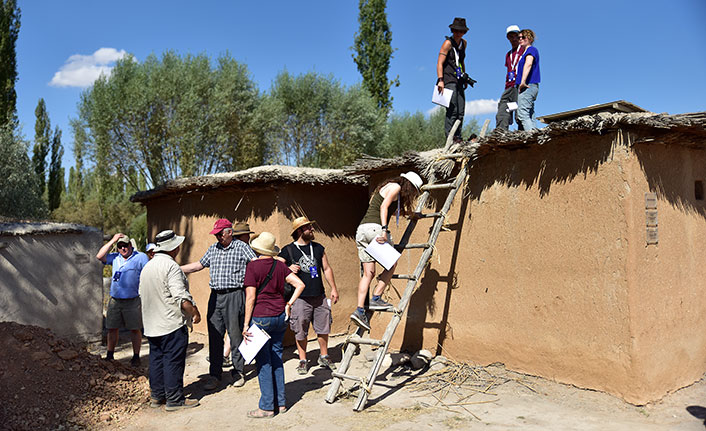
[258, 176]
[681, 129]
[617, 106]
[20, 228]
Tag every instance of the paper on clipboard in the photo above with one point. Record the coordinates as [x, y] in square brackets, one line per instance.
[385, 254]
[250, 349]
[443, 99]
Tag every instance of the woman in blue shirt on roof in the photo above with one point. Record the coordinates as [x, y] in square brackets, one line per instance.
[527, 81]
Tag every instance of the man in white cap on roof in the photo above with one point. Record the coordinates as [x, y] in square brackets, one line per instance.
[124, 305]
[503, 118]
[167, 309]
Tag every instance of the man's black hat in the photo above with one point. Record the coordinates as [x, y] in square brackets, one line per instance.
[458, 24]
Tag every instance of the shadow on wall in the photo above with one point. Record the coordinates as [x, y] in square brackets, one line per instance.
[52, 281]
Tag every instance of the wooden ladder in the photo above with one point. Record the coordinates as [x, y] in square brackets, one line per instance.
[353, 341]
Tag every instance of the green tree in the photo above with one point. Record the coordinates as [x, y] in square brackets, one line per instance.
[374, 50]
[42, 139]
[171, 117]
[311, 120]
[55, 185]
[19, 188]
[9, 30]
[415, 132]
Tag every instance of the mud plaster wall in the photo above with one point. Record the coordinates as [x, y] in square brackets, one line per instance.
[53, 281]
[336, 209]
[545, 269]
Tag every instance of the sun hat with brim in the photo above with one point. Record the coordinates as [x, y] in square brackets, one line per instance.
[512, 29]
[123, 239]
[413, 178]
[221, 224]
[241, 228]
[265, 244]
[150, 247]
[458, 24]
[301, 221]
[167, 240]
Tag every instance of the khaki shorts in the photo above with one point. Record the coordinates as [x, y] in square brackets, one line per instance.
[314, 310]
[366, 233]
[124, 313]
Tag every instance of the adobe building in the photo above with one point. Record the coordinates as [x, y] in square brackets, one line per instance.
[268, 198]
[575, 252]
[49, 277]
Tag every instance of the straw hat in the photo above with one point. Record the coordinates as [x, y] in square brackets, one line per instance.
[301, 221]
[265, 244]
[167, 240]
[241, 228]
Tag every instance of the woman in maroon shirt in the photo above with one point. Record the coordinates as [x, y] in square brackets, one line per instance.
[269, 311]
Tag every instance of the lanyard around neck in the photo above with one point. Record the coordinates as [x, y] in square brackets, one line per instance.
[311, 250]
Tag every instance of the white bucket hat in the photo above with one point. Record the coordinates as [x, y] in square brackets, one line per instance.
[512, 29]
[413, 178]
[167, 240]
[265, 244]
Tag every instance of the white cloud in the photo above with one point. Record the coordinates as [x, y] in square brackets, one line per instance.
[81, 70]
[475, 107]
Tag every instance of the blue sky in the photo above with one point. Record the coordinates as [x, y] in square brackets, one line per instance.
[647, 52]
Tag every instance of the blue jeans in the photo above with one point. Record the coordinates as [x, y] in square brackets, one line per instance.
[270, 369]
[167, 362]
[525, 107]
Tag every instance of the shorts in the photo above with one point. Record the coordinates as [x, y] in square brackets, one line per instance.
[366, 233]
[124, 313]
[314, 309]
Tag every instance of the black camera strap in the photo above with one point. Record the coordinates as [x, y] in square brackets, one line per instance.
[268, 278]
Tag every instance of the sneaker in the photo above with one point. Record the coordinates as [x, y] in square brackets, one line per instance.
[155, 403]
[379, 305]
[238, 380]
[211, 383]
[301, 369]
[135, 361]
[360, 319]
[186, 404]
[227, 362]
[325, 362]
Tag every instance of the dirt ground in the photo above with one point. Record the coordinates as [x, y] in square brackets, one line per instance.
[398, 402]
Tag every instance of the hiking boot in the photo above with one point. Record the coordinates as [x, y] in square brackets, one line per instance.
[360, 319]
[155, 403]
[379, 305]
[227, 362]
[186, 404]
[135, 361]
[238, 380]
[325, 362]
[211, 383]
[301, 368]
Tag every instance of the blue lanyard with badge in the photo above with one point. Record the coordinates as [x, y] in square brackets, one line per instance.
[119, 272]
[313, 270]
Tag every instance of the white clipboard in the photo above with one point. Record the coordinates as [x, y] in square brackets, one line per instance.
[385, 254]
[443, 99]
[250, 348]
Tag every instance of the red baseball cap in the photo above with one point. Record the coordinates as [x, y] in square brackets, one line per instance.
[220, 225]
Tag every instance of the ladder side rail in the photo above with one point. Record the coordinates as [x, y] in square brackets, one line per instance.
[342, 368]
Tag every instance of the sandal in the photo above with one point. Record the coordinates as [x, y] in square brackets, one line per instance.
[260, 414]
[283, 410]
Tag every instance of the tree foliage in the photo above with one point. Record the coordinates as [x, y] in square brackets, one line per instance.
[373, 50]
[55, 186]
[19, 187]
[9, 30]
[42, 140]
[311, 120]
[171, 117]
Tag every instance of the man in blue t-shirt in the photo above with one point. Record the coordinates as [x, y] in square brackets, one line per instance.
[124, 310]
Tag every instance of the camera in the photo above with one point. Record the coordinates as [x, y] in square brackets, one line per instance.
[466, 80]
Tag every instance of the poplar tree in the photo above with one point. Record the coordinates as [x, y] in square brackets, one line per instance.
[42, 138]
[373, 51]
[9, 30]
[56, 173]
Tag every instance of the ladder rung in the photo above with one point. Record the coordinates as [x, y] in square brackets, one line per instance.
[423, 245]
[437, 186]
[404, 276]
[346, 376]
[430, 215]
[359, 340]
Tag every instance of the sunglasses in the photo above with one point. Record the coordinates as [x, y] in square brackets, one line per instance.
[521, 37]
[119, 246]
